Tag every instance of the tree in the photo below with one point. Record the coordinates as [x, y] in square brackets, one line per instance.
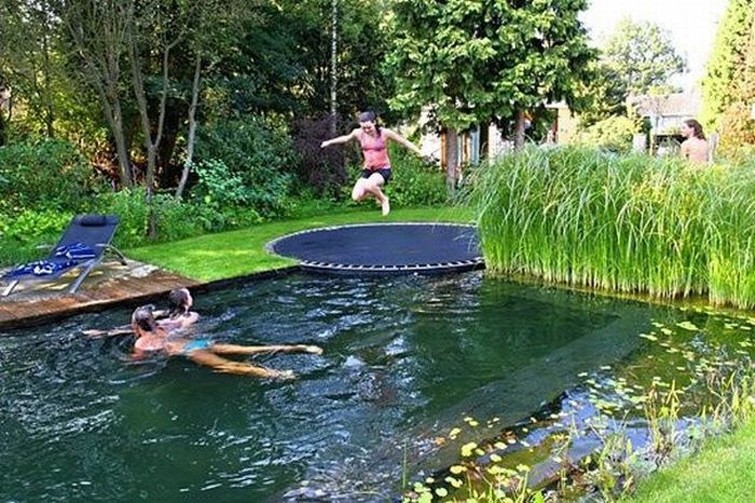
[604, 96]
[31, 60]
[642, 57]
[284, 63]
[210, 39]
[5, 94]
[729, 83]
[476, 62]
[98, 31]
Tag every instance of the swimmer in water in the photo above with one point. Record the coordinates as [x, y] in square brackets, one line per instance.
[178, 316]
[152, 338]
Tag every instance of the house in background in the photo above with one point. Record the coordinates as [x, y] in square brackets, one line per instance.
[487, 142]
[665, 114]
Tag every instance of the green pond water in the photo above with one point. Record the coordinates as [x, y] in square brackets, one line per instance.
[406, 360]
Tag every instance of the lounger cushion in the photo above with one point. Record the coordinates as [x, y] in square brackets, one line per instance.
[92, 220]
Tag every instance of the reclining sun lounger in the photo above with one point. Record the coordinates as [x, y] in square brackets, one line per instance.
[82, 246]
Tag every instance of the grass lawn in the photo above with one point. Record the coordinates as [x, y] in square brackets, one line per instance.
[230, 254]
[724, 471]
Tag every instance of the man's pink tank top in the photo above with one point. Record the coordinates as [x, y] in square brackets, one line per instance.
[375, 152]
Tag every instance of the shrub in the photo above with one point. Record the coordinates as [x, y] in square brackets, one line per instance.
[175, 219]
[25, 235]
[256, 154]
[613, 134]
[44, 174]
[321, 170]
[219, 186]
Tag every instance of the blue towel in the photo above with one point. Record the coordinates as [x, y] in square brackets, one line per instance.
[75, 251]
[41, 268]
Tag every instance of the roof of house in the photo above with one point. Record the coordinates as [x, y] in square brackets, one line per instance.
[670, 105]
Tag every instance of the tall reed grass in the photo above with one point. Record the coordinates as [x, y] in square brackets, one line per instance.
[631, 223]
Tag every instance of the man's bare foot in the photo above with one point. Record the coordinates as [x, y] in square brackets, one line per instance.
[386, 206]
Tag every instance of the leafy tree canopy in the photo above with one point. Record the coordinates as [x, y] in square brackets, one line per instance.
[729, 83]
[641, 56]
[476, 62]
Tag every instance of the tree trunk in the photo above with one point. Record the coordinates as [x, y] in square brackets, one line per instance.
[452, 156]
[114, 117]
[192, 128]
[97, 28]
[46, 92]
[519, 130]
[333, 66]
[2, 127]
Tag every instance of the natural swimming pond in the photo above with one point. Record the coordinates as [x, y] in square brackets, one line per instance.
[406, 360]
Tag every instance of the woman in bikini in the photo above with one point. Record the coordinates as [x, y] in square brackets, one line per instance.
[377, 166]
[179, 316]
[151, 338]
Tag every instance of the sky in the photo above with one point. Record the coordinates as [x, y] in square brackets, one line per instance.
[691, 23]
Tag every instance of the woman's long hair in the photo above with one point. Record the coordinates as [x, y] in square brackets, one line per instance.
[178, 302]
[696, 127]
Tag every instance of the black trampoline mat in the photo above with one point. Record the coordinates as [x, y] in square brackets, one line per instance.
[388, 247]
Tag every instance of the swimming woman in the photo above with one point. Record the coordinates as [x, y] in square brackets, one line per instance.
[178, 316]
[377, 166]
[151, 337]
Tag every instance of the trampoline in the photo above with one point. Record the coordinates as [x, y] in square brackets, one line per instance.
[391, 248]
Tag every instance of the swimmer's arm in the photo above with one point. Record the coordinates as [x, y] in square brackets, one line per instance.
[122, 330]
[180, 323]
[138, 355]
[403, 141]
[340, 139]
[94, 333]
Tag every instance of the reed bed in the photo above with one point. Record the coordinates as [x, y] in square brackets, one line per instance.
[630, 224]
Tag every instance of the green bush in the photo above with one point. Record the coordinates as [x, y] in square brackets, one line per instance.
[44, 174]
[29, 235]
[219, 186]
[175, 219]
[613, 134]
[255, 156]
[415, 182]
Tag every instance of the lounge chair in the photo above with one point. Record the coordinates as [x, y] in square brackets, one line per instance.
[82, 246]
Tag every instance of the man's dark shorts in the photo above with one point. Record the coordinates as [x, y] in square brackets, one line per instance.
[384, 172]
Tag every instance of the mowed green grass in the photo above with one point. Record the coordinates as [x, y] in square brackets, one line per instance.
[724, 471]
[237, 253]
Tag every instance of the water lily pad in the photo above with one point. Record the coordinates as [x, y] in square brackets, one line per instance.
[687, 325]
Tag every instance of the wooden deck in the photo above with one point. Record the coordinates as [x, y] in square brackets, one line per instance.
[108, 284]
